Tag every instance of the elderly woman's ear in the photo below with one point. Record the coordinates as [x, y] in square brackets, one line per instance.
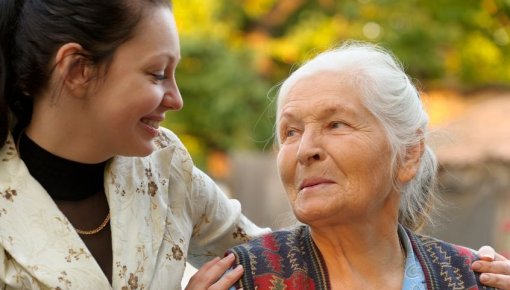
[410, 162]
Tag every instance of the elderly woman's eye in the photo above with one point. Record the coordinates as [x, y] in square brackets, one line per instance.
[336, 124]
[290, 133]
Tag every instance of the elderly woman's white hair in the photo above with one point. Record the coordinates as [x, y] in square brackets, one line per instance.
[391, 96]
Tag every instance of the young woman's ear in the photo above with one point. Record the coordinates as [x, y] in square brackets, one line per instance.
[411, 162]
[72, 69]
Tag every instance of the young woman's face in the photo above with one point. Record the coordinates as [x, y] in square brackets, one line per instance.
[129, 103]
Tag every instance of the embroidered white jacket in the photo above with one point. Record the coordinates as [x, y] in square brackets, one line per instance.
[164, 212]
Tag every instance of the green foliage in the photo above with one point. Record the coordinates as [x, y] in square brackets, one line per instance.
[224, 97]
[234, 51]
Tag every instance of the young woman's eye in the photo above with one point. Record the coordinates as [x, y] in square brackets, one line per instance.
[159, 77]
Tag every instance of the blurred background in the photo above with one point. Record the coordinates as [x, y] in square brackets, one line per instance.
[236, 52]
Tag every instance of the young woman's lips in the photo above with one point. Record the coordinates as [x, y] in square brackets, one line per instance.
[151, 122]
[151, 126]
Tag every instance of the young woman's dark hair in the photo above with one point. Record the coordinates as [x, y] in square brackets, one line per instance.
[31, 31]
[8, 16]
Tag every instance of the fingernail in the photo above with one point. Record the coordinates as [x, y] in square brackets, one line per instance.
[476, 266]
[484, 278]
[487, 258]
[239, 268]
[230, 256]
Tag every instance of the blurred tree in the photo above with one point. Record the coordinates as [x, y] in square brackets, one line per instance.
[224, 99]
[233, 51]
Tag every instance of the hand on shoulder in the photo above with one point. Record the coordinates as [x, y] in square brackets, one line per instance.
[212, 275]
[494, 267]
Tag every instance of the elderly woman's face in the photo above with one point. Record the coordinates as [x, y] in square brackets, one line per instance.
[334, 158]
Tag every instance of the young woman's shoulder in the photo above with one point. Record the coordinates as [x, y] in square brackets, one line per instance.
[169, 157]
[167, 138]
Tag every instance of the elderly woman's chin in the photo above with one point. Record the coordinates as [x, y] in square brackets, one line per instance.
[311, 208]
[318, 212]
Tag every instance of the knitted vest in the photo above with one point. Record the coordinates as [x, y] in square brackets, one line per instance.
[290, 260]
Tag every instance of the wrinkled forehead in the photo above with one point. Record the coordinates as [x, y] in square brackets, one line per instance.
[298, 84]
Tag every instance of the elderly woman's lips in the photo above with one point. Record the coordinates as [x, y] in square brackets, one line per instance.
[307, 183]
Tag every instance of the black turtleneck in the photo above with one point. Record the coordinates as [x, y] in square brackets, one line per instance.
[77, 190]
[62, 178]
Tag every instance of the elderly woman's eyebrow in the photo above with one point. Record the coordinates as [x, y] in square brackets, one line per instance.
[331, 109]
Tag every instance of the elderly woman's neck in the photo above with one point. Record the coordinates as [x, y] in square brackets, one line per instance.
[362, 257]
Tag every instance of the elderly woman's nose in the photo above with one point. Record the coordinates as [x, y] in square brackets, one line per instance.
[310, 149]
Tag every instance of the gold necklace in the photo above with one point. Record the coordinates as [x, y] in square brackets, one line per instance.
[96, 230]
[81, 232]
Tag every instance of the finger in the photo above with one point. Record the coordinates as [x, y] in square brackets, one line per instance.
[210, 263]
[486, 253]
[228, 279]
[496, 280]
[210, 272]
[495, 267]
[198, 280]
[500, 257]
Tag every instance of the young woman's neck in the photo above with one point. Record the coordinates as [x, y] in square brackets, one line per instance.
[61, 129]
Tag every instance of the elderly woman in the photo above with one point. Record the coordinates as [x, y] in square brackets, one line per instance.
[354, 162]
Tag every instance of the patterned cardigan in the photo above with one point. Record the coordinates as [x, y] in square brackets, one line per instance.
[290, 260]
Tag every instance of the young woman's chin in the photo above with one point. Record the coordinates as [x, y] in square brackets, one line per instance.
[146, 149]
[140, 147]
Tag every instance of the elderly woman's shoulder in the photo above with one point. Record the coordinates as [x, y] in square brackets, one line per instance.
[277, 242]
[445, 263]
[436, 247]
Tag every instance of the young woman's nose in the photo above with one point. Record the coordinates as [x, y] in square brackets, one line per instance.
[172, 99]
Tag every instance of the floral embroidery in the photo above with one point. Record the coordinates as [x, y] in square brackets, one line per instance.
[177, 252]
[122, 270]
[65, 223]
[11, 150]
[133, 281]
[63, 279]
[152, 188]
[240, 234]
[196, 228]
[140, 188]
[163, 181]
[162, 141]
[199, 180]
[9, 194]
[19, 274]
[148, 172]
[118, 189]
[77, 254]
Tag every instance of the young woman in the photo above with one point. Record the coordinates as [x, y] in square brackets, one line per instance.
[93, 193]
